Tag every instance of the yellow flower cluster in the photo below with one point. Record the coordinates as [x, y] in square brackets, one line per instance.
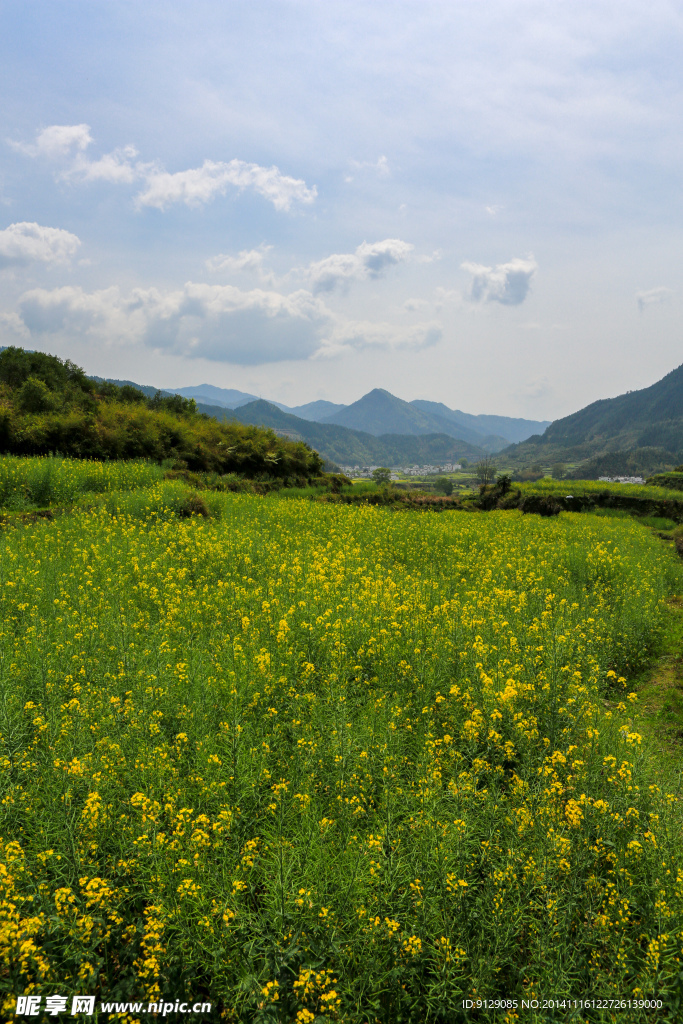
[30, 482]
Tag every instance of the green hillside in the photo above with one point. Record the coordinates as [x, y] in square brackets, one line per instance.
[50, 406]
[353, 447]
[379, 412]
[510, 428]
[641, 430]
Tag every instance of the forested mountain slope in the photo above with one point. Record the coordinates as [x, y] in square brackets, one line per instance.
[646, 424]
[355, 447]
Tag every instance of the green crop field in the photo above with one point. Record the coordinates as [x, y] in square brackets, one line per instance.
[576, 487]
[321, 762]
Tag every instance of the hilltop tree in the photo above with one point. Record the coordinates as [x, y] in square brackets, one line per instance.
[17, 365]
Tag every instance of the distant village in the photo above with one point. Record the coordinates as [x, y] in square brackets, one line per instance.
[622, 479]
[361, 472]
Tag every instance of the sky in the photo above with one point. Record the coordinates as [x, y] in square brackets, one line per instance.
[477, 203]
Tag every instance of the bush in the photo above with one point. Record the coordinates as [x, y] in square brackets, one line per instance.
[34, 396]
[678, 540]
[541, 506]
[193, 505]
[125, 431]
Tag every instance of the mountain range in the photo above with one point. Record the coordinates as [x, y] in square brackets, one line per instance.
[379, 412]
[637, 432]
[345, 446]
[378, 429]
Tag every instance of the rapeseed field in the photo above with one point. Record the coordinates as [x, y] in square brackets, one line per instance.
[29, 482]
[316, 762]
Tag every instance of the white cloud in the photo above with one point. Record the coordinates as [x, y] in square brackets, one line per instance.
[507, 283]
[536, 387]
[57, 141]
[193, 187]
[434, 258]
[364, 334]
[100, 314]
[246, 261]
[201, 184]
[227, 324]
[653, 297]
[447, 297]
[60, 142]
[24, 243]
[217, 322]
[116, 167]
[13, 323]
[370, 260]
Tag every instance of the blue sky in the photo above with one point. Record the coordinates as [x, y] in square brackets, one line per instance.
[475, 203]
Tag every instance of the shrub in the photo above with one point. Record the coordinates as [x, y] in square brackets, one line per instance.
[193, 505]
[34, 396]
[541, 506]
[678, 540]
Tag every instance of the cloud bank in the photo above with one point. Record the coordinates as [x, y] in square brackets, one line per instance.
[507, 283]
[364, 334]
[217, 322]
[27, 242]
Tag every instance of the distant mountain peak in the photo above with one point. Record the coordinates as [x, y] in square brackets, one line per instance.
[379, 412]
